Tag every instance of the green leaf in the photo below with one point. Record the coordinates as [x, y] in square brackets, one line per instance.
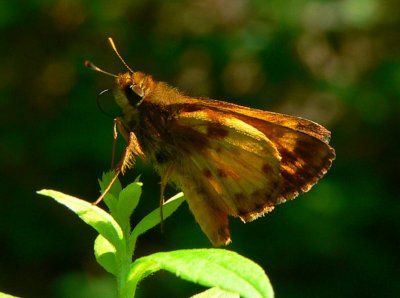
[94, 216]
[153, 218]
[215, 268]
[127, 201]
[105, 254]
[106, 179]
[139, 270]
[111, 201]
[216, 293]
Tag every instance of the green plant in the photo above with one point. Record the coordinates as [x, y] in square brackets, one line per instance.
[225, 271]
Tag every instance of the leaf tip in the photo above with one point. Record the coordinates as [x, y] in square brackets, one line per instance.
[43, 192]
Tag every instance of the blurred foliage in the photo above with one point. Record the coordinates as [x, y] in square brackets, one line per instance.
[335, 62]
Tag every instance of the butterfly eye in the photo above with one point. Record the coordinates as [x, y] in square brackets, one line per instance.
[134, 97]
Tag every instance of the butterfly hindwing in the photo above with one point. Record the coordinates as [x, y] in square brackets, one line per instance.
[243, 166]
[236, 172]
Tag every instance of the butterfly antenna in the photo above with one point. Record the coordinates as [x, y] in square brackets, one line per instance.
[90, 65]
[110, 40]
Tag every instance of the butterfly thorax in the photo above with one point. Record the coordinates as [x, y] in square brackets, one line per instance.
[148, 114]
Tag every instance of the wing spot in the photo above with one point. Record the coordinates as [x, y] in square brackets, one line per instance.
[214, 131]
[266, 168]
[259, 207]
[286, 154]
[239, 197]
[305, 150]
[191, 108]
[207, 173]
[221, 173]
[242, 213]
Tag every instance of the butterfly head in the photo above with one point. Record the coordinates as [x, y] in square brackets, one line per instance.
[136, 86]
[132, 86]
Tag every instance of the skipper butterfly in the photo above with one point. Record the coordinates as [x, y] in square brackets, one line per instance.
[229, 160]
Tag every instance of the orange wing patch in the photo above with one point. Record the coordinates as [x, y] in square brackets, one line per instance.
[237, 173]
[242, 162]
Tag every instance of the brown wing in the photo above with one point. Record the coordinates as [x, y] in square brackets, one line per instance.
[302, 144]
[296, 123]
[244, 165]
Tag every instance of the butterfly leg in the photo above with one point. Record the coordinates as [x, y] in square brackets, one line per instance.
[107, 189]
[164, 181]
[132, 150]
[115, 137]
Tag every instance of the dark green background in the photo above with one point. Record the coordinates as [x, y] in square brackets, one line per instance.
[335, 62]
